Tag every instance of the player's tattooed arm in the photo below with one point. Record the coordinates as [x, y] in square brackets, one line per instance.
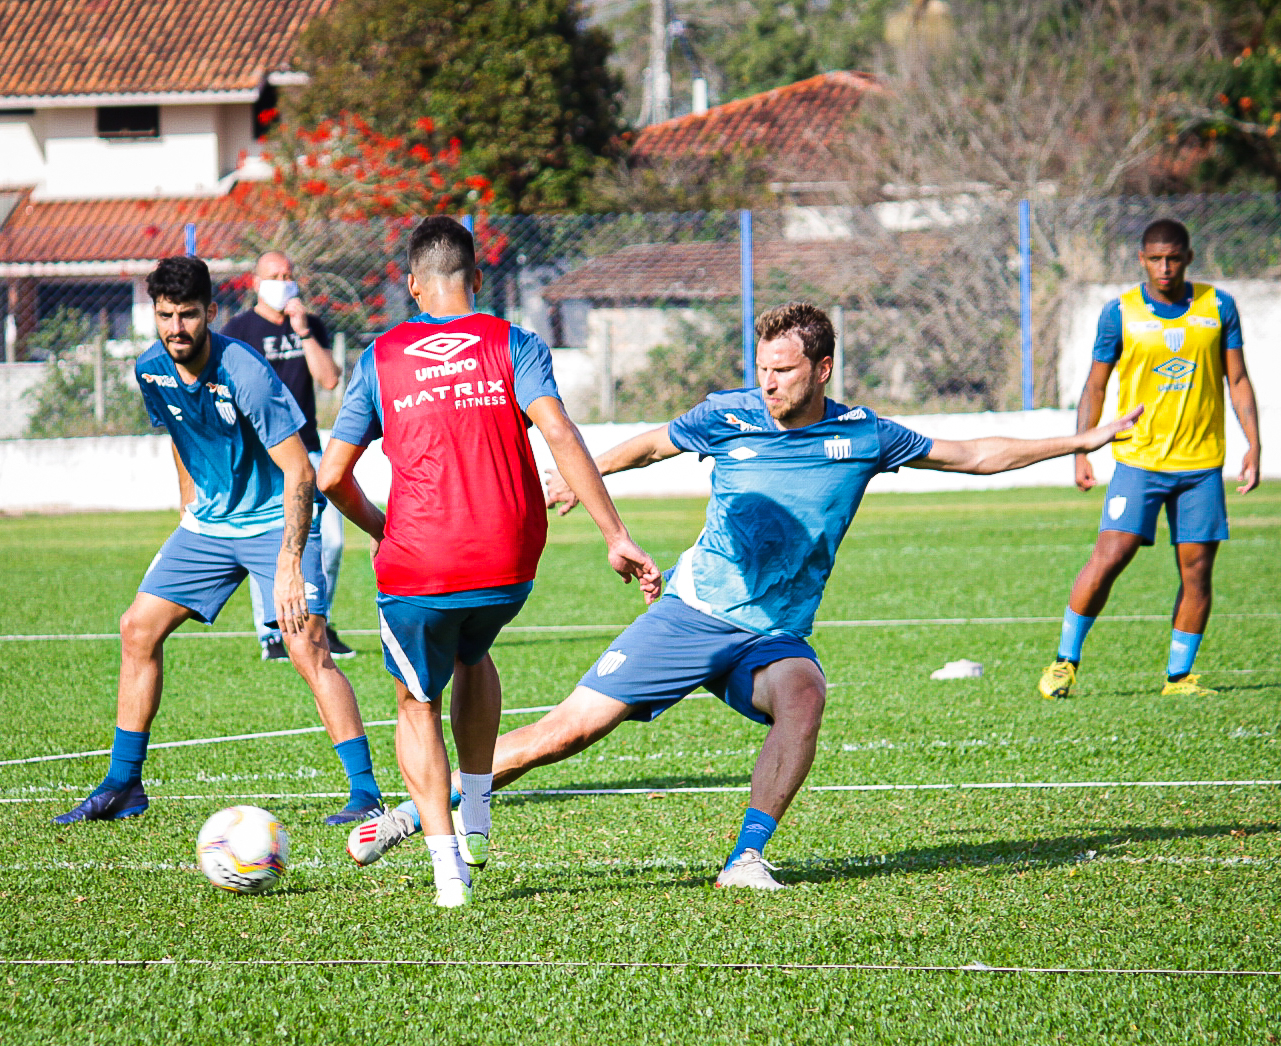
[1241, 392]
[299, 496]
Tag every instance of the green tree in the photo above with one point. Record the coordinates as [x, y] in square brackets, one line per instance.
[524, 87]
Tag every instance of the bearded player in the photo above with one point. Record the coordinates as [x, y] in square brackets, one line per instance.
[1173, 343]
[791, 468]
[452, 392]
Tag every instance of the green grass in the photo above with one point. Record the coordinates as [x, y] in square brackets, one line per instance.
[1120, 877]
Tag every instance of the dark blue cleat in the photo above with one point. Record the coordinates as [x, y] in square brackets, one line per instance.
[358, 808]
[111, 804]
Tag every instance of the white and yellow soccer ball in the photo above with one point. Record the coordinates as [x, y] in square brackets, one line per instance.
[243, 849]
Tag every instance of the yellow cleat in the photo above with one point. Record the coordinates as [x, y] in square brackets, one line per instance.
[1187, 687]
[1057, 680]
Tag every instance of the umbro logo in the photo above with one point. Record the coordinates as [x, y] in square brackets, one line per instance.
[742, 453]
[310, 590]
[1175, 369]
[175, 411]
[611, 661]
[441, 347]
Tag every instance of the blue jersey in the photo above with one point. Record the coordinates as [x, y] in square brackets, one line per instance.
[222, 425]
[781, 502]
[360, 419]
[1107, 341]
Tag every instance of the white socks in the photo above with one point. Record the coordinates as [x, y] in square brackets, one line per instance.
[446, 862]
[475, 790]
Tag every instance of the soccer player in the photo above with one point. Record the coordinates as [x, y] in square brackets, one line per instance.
[452, 392]
[791, 468]
[1172, 343]
[296, 344]
[248, 495]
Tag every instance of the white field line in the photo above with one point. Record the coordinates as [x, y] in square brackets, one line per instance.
[720, 789]
[232, 737]
[975, 967]
[536, 629]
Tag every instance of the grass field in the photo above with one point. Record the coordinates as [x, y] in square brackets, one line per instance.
[601, 906]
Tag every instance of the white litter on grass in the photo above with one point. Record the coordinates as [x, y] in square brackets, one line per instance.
[963, 669]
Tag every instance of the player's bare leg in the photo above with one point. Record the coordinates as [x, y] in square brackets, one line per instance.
[424, 764]
[143, 630]
[340, 715]
[1191, 614]
[475, 708]
[1112, 553]
[792, 692]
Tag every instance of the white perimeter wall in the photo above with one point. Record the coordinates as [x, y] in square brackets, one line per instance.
[136, 472]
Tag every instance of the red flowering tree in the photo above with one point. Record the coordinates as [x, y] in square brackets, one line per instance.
[342, 200]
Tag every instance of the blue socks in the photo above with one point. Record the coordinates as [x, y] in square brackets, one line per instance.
[1072, 639]
[1183, 648]
[755, 833]
[128, 751]
[359, 765]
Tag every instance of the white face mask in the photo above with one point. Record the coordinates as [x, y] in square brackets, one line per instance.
[276, 294]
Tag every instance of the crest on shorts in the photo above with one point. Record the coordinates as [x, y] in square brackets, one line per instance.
[1116, 507]
[611, 661]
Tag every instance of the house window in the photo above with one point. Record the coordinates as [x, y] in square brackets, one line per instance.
[129, 121]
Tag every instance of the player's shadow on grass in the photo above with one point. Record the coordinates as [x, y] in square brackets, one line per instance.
[643, 784]
[1016, 855]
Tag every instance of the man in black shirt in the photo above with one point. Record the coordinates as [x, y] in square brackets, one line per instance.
[296, 344]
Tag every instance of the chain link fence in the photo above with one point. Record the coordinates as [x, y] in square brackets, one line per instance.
[643, 311]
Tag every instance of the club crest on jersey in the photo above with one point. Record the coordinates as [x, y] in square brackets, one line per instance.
[1174, 338]
[740, 424]
[226, 411]
[1175, 369]
[441, 347]
[611, 661]
[838, 449]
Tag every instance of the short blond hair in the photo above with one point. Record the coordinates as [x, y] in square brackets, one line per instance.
[804, 319]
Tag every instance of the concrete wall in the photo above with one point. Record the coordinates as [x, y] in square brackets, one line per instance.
[137, 473]
[16, 379]
[1259, 302]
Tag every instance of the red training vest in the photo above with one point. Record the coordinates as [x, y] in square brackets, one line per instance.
[466, 508]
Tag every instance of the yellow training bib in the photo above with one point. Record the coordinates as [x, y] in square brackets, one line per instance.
[1175, 369]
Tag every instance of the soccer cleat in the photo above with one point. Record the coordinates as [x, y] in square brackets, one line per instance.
[369, 842]
[274, 650]
[453, 893]
[338, 650]
[749, 869]
[473, 847]
[358, 808]
[111, 804]
[1057, 680]
[1187, 687]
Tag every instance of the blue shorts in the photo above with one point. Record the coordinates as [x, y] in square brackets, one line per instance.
[420, 642]
[1195, 504]
[672, 649]
[200, 572]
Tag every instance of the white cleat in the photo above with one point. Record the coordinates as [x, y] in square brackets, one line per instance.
[473, 847]
[370, 840]
[749, 869]
[453, 893]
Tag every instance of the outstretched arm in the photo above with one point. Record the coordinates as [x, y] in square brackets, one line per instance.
[300, 497]
[337, 481]
[584, 480]
[1242, 394]
[635, 453]
[983, 457]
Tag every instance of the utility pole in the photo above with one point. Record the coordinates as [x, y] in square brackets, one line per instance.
[660, 81]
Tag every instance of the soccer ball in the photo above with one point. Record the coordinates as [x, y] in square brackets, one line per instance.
[243, 849]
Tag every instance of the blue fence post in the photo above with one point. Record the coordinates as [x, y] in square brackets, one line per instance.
[1025, 299]
[189, 236]
[469, 223]
[749, 305]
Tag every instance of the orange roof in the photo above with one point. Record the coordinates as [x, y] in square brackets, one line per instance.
[125, 230]
[793, 127]
[76, 47]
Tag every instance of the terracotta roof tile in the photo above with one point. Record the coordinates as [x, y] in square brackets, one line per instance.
[125, 230]
[69, 47]
[794, 127]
